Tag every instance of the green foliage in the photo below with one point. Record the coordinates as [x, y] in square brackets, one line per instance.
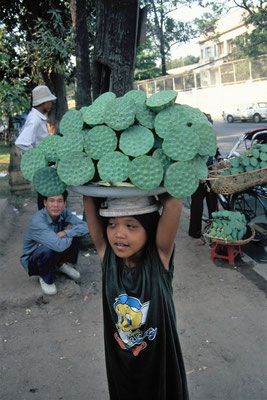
[182, 61]
[164, 30]
[145, 65]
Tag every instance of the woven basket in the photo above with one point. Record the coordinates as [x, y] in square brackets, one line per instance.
[237, 183]
[250, 232]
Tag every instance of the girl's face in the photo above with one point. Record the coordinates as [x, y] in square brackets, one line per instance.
[127, 238]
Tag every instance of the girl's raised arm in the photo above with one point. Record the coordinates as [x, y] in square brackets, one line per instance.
[167, 227]
[95, 226]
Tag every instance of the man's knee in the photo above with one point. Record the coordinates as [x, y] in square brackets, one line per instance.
[44, 254]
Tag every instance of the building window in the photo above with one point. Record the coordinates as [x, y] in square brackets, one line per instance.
[207, 52]
[220, 49]
[229, 46]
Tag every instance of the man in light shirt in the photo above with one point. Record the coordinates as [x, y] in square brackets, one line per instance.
[35, 128]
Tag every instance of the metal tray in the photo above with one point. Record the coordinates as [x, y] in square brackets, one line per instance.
[112, 191]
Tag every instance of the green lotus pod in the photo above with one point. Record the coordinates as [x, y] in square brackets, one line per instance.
[234, 171]
[200, 166]
[225, 172]
[99, 141]
[31, 161]
[48, 145]
[245, 161]
[195, 116]
[255, 152]
[83, 109]
[47, 182]
[249, 168]
[71, 142]
[94, 114]
[71, 122]
[263, 164]
[75, 168]
[145, 116]
[181, 144]
[235, 162]
[120, 113]
[138, 96]
[160, 100]
[167, 119]
[263, 156]
[136, 141]
[253, 161]
[105, 98]
[160, 155]
[180, 179]
[114, 167]
[208, 140]
[146, 172]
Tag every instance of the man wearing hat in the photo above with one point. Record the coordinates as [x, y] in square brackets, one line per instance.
[35, 128]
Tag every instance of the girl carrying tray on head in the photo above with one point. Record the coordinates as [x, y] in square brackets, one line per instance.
[136, 245]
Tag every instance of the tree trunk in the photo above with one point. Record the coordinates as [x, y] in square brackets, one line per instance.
[56, 83]
[83, 74]
[115, 46]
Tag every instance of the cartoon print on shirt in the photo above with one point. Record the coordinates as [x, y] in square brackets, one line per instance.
[131, 316]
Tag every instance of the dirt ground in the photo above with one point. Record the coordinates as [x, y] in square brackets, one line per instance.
[52, 347]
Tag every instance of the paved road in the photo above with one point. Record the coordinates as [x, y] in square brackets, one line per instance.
[228, 134]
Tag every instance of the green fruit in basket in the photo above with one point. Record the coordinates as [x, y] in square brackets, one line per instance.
[105, 98]
[94, 114]
[180, 179]
[200, 166]
[71, 142]
[167, 119]
[263, 164]
[138, 96]
[245, 161]
[75, 168]
[99, 141]
[145, 116]
[136, 141]
[255, 153]
[181, 144]
[146, 172]
[71, 122]
[160, 155]
[114, 167]
[263, 156]
[234, 171]
[120, 113]
[48, 146]
[160, 100]
[249, 168]
[47, 182]
[253, 161]
[31, 161]
[234, 162]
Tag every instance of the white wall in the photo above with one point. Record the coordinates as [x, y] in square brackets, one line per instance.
[214, 100]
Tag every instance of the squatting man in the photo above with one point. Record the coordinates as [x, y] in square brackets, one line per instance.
[51, 242]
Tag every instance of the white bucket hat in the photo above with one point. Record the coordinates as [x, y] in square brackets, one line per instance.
[41, 94]
[114, 207]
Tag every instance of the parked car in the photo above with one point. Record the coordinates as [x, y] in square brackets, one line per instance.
[255, 112]
[209, 117]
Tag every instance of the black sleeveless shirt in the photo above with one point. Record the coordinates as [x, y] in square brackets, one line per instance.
[143, 355]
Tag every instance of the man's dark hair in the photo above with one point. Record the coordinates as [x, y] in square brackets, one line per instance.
[64, 194]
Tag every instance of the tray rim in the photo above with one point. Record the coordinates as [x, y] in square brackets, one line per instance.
[94, 190]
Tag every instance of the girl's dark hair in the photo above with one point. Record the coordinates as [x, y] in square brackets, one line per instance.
[150, 224]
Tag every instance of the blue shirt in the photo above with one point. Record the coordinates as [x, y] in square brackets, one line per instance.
[42, 229]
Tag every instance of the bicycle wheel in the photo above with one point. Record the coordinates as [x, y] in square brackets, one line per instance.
[255, 210]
